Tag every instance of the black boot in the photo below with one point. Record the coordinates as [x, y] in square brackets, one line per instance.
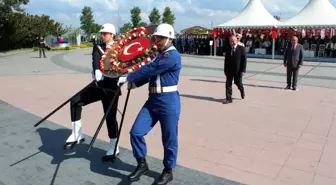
[242, 94]
[165, 177]
[108, 158]
[227, 101]
[141, 169]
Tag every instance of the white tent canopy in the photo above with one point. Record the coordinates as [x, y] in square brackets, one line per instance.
[254, 15]
[317, 13]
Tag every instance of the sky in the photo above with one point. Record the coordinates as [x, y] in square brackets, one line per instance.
[206, 13]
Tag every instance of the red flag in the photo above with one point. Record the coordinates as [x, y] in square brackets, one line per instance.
[274, 33]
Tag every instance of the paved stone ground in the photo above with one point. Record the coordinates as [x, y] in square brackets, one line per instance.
[36, 157]
[273, 137]
[319, 74]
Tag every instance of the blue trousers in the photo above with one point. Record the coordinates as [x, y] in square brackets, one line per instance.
[145, 121]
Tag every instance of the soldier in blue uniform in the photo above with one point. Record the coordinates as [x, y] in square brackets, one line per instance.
[163, 104]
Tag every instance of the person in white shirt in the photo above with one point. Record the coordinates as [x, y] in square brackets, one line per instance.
[239, 37]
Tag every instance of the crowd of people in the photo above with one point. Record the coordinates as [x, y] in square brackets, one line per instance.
[193, 44]
[201, 45]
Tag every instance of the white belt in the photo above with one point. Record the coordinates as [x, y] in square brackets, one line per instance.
[162, 89]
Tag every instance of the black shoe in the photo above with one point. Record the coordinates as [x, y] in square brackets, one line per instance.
[107, 158]
[227, 101]
[295, 89]
[141, 169]
[165, 177]
[71, 145]
[242, 94]
[288, 87]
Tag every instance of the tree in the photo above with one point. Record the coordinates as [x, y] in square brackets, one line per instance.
[21, 30]
[154, 16]
[168, 16]
[7, 7]
[62, 30]
[125, 28]
[10, 6]
[135, 17]
[86, 19]
[143, 24]
[96, 28]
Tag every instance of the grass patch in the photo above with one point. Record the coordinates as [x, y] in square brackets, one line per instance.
[68, 48]
[86, 45]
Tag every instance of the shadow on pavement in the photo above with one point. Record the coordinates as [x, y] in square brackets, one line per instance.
[206, 98]
[52, 144]
[202, 98]
[251, 85]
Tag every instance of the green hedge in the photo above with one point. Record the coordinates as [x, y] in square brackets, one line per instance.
[63, 49]
[58, 48]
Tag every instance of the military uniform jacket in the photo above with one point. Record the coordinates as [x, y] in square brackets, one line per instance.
[163, 71]
[97, 53]
[235, 62]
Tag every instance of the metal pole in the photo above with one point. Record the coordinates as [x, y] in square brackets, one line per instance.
[59, 107]
[210, 49]
[215, 46]
[273, 48]
[121, 124]
[104, 117]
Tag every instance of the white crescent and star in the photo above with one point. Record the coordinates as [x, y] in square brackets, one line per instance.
[129, 46]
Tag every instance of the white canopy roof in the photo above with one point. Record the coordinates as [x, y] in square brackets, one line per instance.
[254, 15]
[317, 13]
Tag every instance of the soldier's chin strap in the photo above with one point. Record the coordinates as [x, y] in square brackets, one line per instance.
[165, 46]
[166, 43]
[110, 42]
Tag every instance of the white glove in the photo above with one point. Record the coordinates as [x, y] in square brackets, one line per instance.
[122, 80]
[98, 75]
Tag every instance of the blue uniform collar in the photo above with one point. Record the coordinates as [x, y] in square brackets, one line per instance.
[167, 48]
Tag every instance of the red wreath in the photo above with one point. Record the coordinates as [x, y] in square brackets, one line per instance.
[128, 53]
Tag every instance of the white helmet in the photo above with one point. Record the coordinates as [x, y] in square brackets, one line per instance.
[108, 28]
[165, 30]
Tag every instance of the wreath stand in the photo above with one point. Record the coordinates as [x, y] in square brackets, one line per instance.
[103, 118]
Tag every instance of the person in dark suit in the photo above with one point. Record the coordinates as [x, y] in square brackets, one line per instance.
[234, 68]
[293, 60]
[94, 94]
[42, 46]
